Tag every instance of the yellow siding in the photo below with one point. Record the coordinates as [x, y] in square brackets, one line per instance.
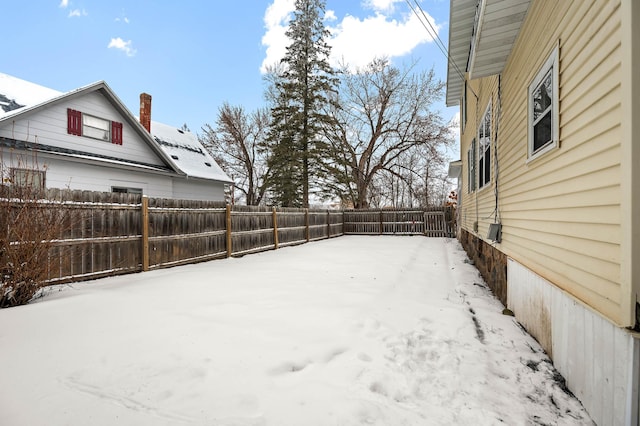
[479, 204]
[561, 212]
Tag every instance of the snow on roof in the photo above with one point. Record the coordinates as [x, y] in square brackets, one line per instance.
[17, 94]
[186, 152]
[183, 148]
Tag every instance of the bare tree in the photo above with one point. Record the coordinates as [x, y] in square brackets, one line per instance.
[237, 144]
[381, 112]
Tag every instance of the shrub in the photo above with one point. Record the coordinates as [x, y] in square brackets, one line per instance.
[29, 226]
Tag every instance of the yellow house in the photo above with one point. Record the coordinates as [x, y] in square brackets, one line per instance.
[549, 95]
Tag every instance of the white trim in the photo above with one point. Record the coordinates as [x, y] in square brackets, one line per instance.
[551, 64]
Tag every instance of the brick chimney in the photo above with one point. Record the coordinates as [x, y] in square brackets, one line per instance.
[145, 111]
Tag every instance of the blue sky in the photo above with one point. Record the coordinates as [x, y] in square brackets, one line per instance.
[192, 56]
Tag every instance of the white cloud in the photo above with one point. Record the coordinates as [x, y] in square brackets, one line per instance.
[77, 12]
[381, 5]
[120, 44]
[355, 41]
[330, 16]
[276, 20]
[124, 19]
[278, 13]
[64, 3]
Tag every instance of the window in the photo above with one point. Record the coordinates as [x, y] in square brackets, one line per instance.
[484, 157]
[471, 167]
[94, 127]
[544, 108]
[80, 124]
[125, 190]
[28, 177]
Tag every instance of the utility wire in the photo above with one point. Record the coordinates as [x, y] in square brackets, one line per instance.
[436, 38]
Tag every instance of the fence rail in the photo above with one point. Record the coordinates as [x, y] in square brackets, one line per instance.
[110, 234]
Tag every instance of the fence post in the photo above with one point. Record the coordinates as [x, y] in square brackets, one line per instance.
[228, 220]
[275, 229]
[306, 224]
[328, 224]
[145, 233]
[381, 223]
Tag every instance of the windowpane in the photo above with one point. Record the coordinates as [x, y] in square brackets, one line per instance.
[542, 132]
[95, 127]
[96, 122]
[27, 177]
[542, 96]
[487, 161]
[471, 166]
[484, 159]
[125, 190]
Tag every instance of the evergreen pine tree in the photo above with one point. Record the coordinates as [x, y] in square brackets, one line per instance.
[297, 116]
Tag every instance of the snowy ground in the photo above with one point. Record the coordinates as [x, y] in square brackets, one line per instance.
[349, 331]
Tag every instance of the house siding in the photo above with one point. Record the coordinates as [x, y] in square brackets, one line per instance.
[66, 173]
[479, 205]
[198, 189]
[561, 212]
[48, 126]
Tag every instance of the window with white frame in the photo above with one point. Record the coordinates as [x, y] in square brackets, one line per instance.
[31, 178]
[97, 128]
[484, 147]
[81, 124]
[471, 167]
[544, 108]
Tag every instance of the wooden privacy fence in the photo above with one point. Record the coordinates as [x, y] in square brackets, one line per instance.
[111, 233]
[434, 222]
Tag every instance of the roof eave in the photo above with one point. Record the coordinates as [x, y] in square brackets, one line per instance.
[483, 43]
[497, 27]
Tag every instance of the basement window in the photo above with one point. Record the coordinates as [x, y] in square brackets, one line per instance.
[125, 190]
[543, 108]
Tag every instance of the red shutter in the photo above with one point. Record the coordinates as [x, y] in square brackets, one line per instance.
[74, 122]
[116, 133]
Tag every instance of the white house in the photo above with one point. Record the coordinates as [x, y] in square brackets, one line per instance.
[87, 139]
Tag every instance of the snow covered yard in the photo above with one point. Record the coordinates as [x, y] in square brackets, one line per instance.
[349, 331]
